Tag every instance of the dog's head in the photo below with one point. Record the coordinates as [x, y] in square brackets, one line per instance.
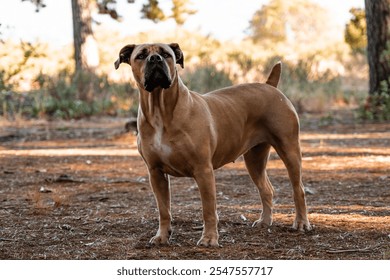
[153, 65]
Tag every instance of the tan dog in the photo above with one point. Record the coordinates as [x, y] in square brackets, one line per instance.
[183, 133]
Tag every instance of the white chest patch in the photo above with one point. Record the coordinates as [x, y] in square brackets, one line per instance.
[159, 146]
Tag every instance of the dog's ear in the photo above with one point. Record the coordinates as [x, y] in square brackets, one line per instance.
[178, 54]
[124, 55]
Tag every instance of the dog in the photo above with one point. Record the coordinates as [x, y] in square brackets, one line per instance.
[185, 134]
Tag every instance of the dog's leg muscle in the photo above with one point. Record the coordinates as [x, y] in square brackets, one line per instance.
[160, 186]
[206, 184]
[290, 153]
[256, 160]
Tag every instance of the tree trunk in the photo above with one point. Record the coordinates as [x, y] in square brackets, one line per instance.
[85, 47]
[378, 44]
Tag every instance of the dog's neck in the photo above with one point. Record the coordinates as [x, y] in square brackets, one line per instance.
[158, 106]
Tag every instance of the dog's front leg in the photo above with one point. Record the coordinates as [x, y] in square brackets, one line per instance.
[206, 184]
[160, 185]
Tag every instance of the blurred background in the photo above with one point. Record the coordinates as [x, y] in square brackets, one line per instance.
[56, 57]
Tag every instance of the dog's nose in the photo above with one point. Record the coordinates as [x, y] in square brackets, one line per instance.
[155, 58]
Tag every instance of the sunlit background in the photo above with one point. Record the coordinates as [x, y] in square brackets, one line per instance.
[222, 19]
[224, 42]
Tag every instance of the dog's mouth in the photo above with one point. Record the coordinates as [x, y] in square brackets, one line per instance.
[156, 76]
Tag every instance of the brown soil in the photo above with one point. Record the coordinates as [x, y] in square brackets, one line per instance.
[79, 190]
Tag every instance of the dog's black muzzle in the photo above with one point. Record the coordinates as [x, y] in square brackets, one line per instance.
[156, 73]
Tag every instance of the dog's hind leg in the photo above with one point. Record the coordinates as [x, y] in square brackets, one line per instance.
[290, 153]
[256, 160]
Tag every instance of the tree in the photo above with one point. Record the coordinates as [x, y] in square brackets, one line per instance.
[355, 34]
[378, 47]
[38, 4]
[180, 11]
[267, 25]
[152, 11]
[284, 21]
[85, 47]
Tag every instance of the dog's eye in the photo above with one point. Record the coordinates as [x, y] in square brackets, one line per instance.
[140, 56]
[165, 55]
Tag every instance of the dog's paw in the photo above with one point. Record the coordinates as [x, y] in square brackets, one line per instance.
[302, 225]
[208, 241]
[161, 239]
[205, 242]
[262, 223]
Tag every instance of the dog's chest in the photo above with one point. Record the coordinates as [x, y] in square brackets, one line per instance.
[155, 144]
[160, 146]
[163, 149]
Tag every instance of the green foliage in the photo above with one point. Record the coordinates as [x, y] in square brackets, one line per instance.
[40, 89]
[180, 11]
[245, 61]
[108, 7]
[70, 96]
[4, 85]
[308, 89]
[60, 95]
[384, 57]
[66, 96]
[355, 34]
[282, 21]
[377, 106]
[13, 104]
[206, 78]
[152, 11]
[267, 24]
[28, 52]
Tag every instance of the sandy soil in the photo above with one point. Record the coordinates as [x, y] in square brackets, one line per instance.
[79, 190]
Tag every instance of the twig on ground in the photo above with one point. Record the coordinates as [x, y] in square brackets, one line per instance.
[65, 178]
[358, 250]
[7, 239]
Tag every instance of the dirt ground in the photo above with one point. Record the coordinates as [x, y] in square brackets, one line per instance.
[79, 190]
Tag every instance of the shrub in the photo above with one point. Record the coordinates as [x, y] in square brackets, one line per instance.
[85, 94]
[308, 89]
[377, 105]
[206, 78]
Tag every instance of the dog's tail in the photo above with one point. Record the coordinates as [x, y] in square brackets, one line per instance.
[274, 76]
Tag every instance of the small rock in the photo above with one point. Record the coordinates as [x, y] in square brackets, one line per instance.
[44, 190]
[41, 171]
[242, 217]
[309, 191]
[66, 227]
